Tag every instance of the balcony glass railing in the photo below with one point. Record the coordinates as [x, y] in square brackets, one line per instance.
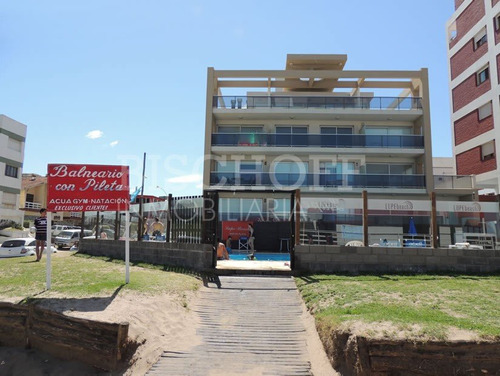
[318, 140]
[453, 182]
[267, 179]
[368, 103]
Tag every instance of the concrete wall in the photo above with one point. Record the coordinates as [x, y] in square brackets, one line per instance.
[329, 259]
[192, 256]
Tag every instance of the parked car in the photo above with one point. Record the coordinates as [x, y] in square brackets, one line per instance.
[57, 229]
[18, 247]
[68, 238]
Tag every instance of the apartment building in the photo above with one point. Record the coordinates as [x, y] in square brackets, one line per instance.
[474, 58]
[12, 140]
[332, 134]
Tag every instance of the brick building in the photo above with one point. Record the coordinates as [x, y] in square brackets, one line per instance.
[474, 57]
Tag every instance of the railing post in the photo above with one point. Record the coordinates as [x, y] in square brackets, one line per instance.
[365, 217]
[434, 240]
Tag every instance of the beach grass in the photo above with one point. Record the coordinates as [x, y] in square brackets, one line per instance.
[76, 275]
[434, 304]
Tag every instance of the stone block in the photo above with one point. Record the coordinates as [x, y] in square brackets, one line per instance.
[417, 260]
[364, 251]
[455, 252]
[440, 252]
[308, 257]
[370, 259]
[425, 252]
[324, 257]
[332, 249]
[433, 260]
[394, 251]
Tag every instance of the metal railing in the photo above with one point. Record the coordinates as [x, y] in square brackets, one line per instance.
[317, 140]
[32, 205]
[224, 179]
[328, 102]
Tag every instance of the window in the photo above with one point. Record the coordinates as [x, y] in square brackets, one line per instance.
[9, 200]
[240, 206]
[483, 75]
[250, 166]
[11, 171]
[225, 166]
[336, 130]
[240, 129]
[488, 151]
[14, 144]
[497, 22]
[330, 168]
[484, 111]
[480, 38]
[291, 167]
[388, 131]
[388, 169]
[30, 197]
[290, 129]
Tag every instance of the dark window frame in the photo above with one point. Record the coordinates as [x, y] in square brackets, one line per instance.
[483, 76]
[11, 171]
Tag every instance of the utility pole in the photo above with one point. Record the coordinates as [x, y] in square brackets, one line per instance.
[140, 230]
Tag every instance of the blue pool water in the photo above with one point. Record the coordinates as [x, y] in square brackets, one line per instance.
[261, 256]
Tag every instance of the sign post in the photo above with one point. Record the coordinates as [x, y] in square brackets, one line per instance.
[127, 246]
[48, 270]
[87, 188]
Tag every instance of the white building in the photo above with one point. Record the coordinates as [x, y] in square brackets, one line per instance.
[12, 140]
[474, 63]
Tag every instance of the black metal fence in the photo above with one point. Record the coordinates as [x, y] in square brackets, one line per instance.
[186, 219]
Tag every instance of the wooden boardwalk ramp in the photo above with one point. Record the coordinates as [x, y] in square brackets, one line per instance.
[250, 326]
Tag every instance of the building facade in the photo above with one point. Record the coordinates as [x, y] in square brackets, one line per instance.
[12, 141]
[335, 135]
[474, 63]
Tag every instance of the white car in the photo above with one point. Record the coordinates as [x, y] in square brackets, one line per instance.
[18, 247]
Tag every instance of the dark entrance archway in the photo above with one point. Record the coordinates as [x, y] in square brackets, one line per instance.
[275, 226]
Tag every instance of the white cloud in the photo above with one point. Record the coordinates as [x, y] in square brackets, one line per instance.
[94, 134]
[113, 144]
[194, 178]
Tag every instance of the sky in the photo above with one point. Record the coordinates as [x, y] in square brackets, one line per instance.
[103, 82]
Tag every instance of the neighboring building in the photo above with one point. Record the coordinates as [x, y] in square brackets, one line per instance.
[33, 195]
[12, 140]
[443, 166]
[332, 134]
[474, 57]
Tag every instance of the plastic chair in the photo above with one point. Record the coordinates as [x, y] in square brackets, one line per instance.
[243, 242]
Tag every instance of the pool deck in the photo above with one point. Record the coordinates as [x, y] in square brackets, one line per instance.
[253, 265]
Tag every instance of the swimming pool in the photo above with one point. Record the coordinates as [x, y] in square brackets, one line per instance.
[261, 256]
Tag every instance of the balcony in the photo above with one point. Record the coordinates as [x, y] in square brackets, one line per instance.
[318, 140]
[266, 179]
[330, 102]
[32, 205]
[453, 182]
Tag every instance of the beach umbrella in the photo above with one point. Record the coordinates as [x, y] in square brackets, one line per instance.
[412, 229]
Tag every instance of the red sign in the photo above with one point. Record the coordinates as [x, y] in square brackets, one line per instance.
[235, 228]
[87, 188]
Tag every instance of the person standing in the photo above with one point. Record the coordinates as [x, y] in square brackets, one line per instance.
[229, 245]
[41, 233]
[251, 238]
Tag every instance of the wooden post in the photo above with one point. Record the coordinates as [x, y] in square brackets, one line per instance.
[97, 226]
[169, 218]
[297, 216]
[365, 218]
[117, 225]
[434, 228]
